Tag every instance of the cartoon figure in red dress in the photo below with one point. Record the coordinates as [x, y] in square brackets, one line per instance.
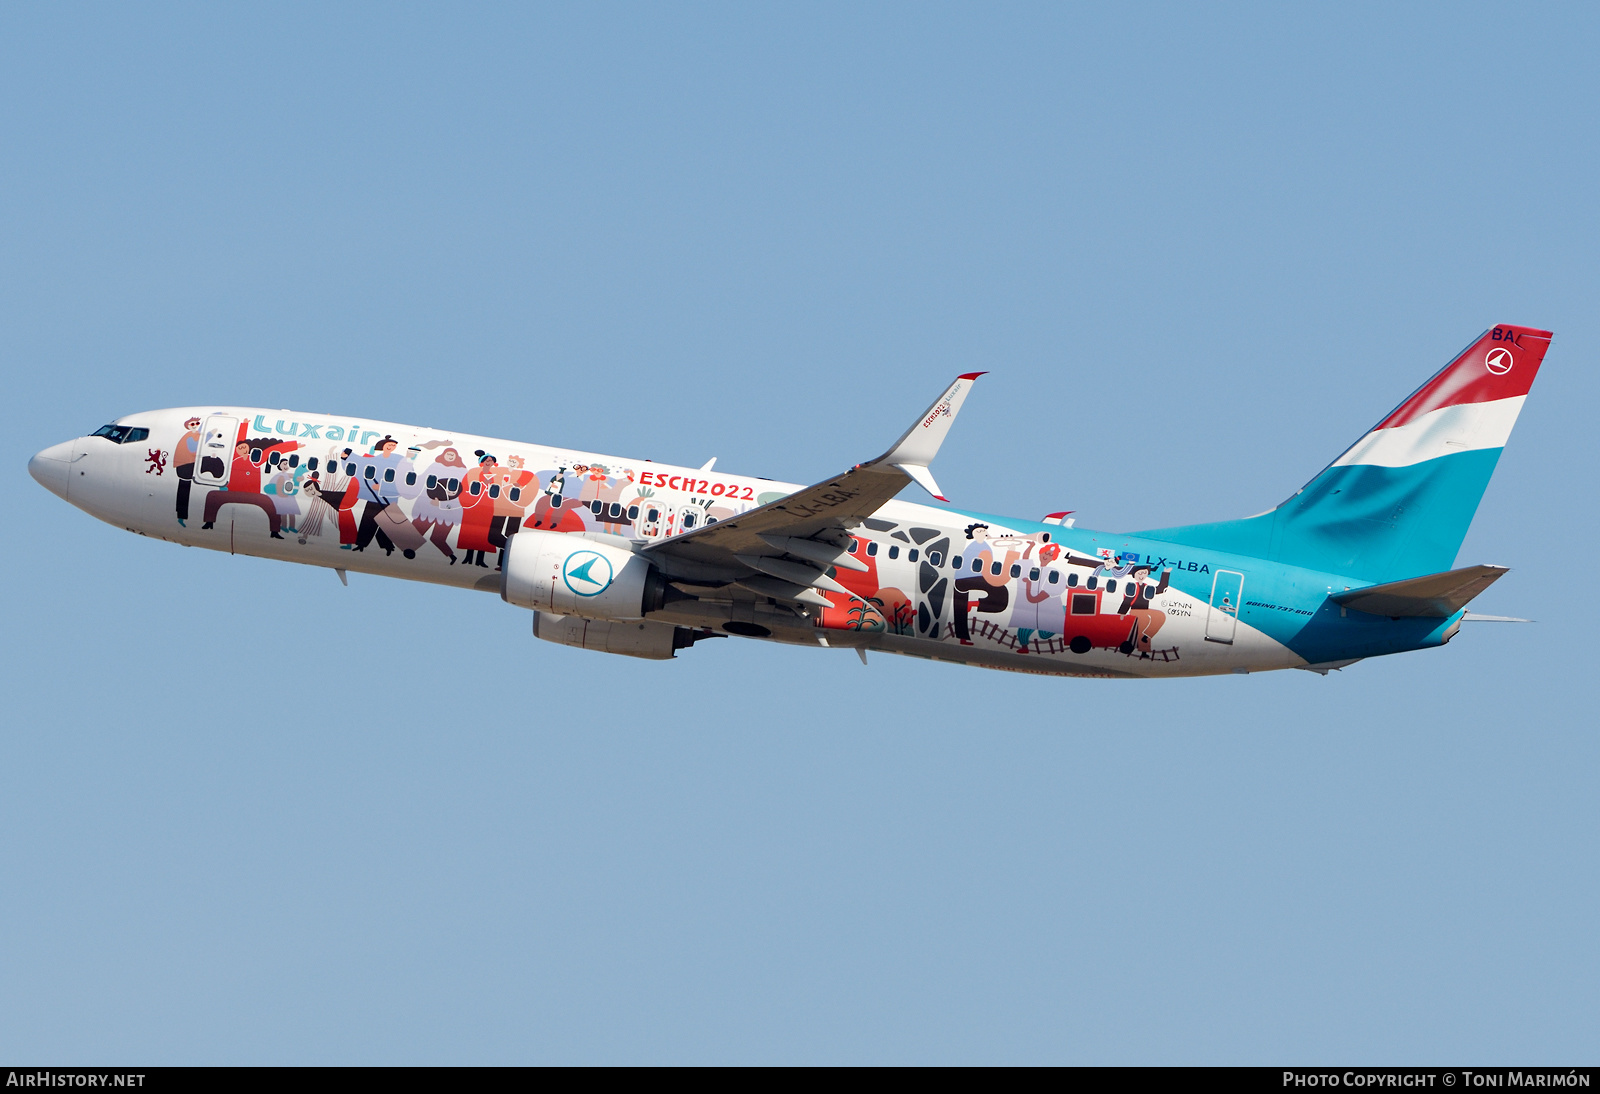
[478, 490]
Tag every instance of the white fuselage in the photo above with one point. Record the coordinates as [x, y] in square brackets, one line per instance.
[432, 505]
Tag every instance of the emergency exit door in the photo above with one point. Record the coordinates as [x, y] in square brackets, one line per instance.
[215, 457]
[1223, 616]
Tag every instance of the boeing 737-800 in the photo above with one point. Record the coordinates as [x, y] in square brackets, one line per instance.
[633, 557]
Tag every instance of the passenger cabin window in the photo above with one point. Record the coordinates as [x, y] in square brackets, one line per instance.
[311, 465]
[1090, 583]
[515, 493]
[894, 550]
[935, 558]
[388, 474]
[494, 491]
[977, 565]
[294, 461]
[854, 545]
[1033, 574]
[371, 472]
[1072, 581]
[411, 478]
[1055, 577]
[1111, 586]
[616, 509]
[1016, 570]
[994, 568]
[872, 548]
[633, 512]
[912, 554]
[255, 455]
[688, 521]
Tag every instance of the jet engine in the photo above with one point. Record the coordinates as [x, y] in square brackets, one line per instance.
[653, 641]
[569, 575]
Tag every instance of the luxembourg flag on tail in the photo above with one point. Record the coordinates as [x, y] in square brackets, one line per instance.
[1397, 503]
[1469, 405]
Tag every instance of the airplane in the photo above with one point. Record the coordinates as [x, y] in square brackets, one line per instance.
[632, 557]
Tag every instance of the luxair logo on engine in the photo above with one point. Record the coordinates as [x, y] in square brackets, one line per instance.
[587, 573]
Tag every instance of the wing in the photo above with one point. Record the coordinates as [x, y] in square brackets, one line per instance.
[782, 549]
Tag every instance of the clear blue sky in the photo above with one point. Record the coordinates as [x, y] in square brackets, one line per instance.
[1200, 250]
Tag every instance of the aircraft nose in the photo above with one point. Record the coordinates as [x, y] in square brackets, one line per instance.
[49, 468]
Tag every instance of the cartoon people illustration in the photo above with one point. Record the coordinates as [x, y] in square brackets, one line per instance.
[1136, 598]
[478, 489]
[556, 487]
[612, 511]
[317, 507]
[518, 487]
[184, 454]
[342, 492]
[1038, 610]
[1111, 565]
[438, 510]
[592, 484]
[984, 574]
[244, 480]
[282, 489]
[383, 478]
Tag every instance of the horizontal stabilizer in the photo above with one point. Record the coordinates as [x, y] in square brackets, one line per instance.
[1434, 595]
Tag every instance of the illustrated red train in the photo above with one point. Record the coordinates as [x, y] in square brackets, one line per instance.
[1087, 629]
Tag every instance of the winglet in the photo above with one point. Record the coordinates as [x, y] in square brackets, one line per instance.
[923, 478]
[917, 447]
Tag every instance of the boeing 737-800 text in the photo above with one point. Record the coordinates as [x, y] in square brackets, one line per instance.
[632, 557]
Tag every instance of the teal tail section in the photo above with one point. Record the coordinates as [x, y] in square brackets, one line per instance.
[1398, 502]
[1373, 523]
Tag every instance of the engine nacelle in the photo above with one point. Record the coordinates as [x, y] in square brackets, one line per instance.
[569, 575]
[653, 641]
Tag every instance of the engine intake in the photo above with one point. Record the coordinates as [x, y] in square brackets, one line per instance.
[571, 576]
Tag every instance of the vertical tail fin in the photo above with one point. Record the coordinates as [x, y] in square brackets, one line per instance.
[1397, 503]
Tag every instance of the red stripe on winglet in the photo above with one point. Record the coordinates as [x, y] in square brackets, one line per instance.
[1515, 354]
[970, 376]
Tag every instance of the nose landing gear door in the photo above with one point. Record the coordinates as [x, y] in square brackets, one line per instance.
[217, 439]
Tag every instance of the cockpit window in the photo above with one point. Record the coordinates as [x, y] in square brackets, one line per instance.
[121, 434]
